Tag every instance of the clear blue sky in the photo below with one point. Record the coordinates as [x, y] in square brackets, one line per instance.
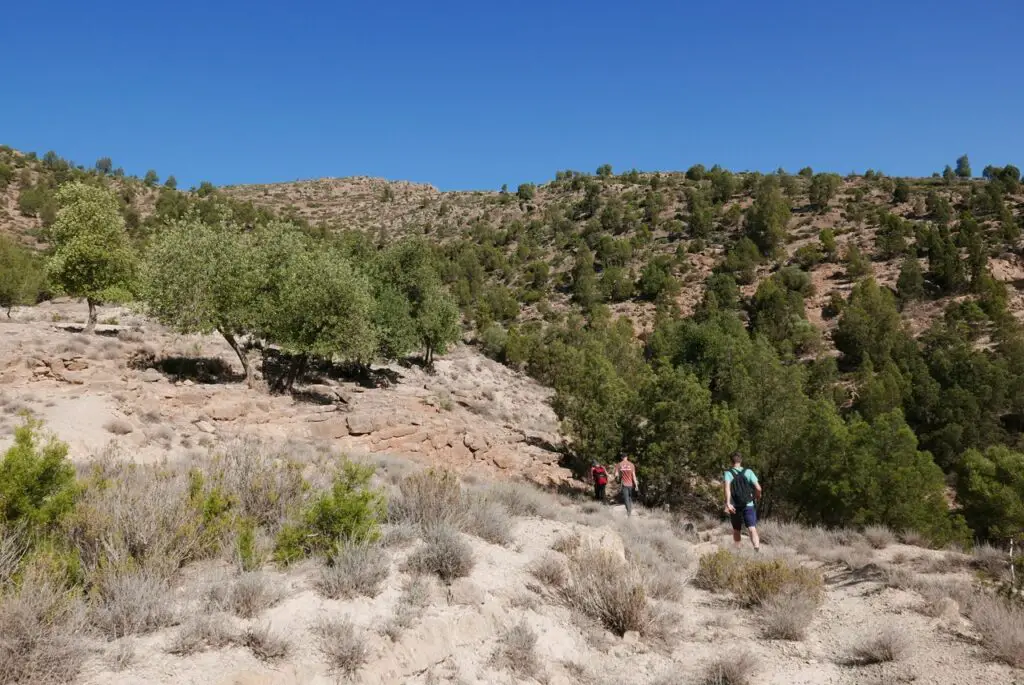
[476, 94]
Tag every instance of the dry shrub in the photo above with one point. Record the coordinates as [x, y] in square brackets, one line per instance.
[567, 544]
[901, 578]
[131, 602]
[39, 634]
[855, 558]
[991, 561]
[12, 550]
[488, 521]
[787, 615]
[1001, 625]
[265, 643]
[414, 599]
[755, 581]
[264, 481]
[549, 570]
[354, 569]
[118, 426]
[612, 592]
[246, 596]
[428, 498]
[122, 655]
[443, 553]
[521, 499]
[202, 633]
[914, 539]
[516, 651]
[879, 537]
[888, 645]
[398, 534]
[730, 669]
[660, 556]
[341, 645]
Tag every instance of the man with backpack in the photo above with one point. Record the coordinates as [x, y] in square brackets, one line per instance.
[599, 476]
[741, 492]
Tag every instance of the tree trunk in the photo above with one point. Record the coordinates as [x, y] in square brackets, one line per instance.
[91, 326]
[298, 367]
[249, 380]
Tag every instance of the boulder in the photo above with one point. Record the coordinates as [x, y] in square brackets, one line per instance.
[151, 375]
[504, 458]
[76, 364]
[396, 432]
[205, 427]
[476, 442]
[331, 429]
[362, 424]
[230, 411]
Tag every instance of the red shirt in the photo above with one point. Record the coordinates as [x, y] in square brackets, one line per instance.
[626, 473]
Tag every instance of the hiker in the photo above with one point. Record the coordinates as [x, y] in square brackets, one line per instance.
[741, 491]
[599, 476]
[625, 472]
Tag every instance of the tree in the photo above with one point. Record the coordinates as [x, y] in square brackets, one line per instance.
[604, 171]
[526, 191]
[806, 172]
[151, 179]
[990, 489]
[767, 220]
[910, 284]
[584, 280]
[103, 165]
[201, 278]
[696, 172]
[93, 257]
[857, 265]
[901, 193]
[948, 174]
[823, 188]
[963, 167]
[21, 275]
[870, 326]
[171, 182]
[438, 325]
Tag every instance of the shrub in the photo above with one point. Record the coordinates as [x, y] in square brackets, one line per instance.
[549, 570]
[604, 588]
[265, 643]
[415, 597]
[755, 581]
[350, 511]
[37, 481]
[879, 537]
[265, 484]
[521, 499]
[488, 521]
[211, 631]
[343, 648]
[246, 596]
[516, 651]
[787, 615]
[118, 427]
[567, 544]
[429, 498]
[39, 634]
[443, 553]
[715, 571]
[354, 569]
[888, 645]
[730, 669]
[131, 603]
[1001, 625]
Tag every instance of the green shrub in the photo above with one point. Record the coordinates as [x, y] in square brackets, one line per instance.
[755, 581]
[716, 570]
[37, 481]
[349, 512]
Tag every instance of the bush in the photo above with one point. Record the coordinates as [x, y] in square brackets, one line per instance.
[730, 669]
[888, 645]
[516, 651]
[350, 511]
[266, 644]
[549, 570]
[131, 603]
[1001, 625]
[715, 571]
[755, 581]
[354, 569]
[415, 597]
[248, 595]
[343, 648]
[879, 537]
[443, 553]
[37, 481]
[488, 521]
[787, 615]
[211, 631]
[429, 498]
[521, 499]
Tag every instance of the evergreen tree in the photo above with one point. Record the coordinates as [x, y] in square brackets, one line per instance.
[910, 284]
[963, 167]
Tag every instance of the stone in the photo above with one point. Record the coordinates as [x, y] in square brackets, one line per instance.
[205, 427]
[460, 453]
[331, 429]
[361, 424]
[56, 366]
[396, 432]
[151, 376]
[503, 458]
[227, 412]
[464, 592]
[476, 442]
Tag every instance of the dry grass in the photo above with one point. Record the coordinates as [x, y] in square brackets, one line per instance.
[516, 652]
[879, 537]
[787, 615]
[341, 645]
[12, 550]
[991, 561]
[888, 645]
[755, 581]
[265, 643]
[39, 635]
[612, 592]
[522, 500]
[730, 669]
[428, 498]
[443, 553]
[567, 544]
[1001, 626]
[415, 598]
[265, 480]
[489, 521]
[118, 426]
[122, 655]
[202, 633]
[355, 569]
[131, 603]
[914, 539]
[399, 534]
[248, 595]
[550, 570]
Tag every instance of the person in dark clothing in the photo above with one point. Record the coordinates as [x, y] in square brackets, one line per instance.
[599, 477]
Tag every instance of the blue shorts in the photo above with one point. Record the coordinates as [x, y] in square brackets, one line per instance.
[746, 517]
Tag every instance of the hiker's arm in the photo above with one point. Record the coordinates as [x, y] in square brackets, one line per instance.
[728, 497]
[757, 491]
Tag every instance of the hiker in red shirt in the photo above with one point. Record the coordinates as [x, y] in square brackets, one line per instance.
[599, 476]
[626, 473]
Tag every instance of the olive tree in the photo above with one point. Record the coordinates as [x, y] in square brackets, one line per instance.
[20, 275]
[93, 256]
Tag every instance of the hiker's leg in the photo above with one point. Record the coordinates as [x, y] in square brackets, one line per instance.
[750, 518]
[627, 498]
[737, 527]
